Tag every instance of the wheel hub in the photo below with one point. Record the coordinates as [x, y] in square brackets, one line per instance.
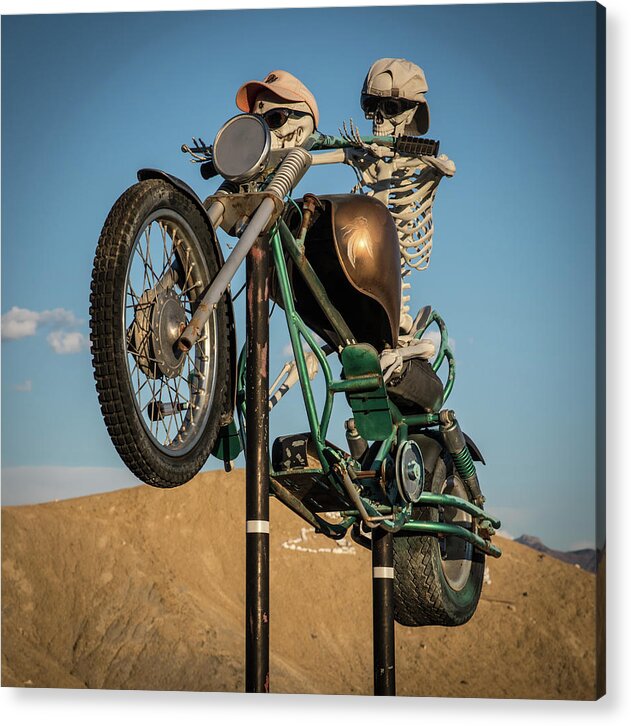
[168, 319]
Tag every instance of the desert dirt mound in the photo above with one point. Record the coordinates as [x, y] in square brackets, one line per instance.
[144, 589]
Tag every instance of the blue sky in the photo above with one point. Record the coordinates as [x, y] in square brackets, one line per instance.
[88, 99]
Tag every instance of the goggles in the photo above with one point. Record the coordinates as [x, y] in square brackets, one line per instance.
[277, 117]
[389, 107]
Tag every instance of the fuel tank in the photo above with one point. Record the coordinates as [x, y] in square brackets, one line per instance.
[353, 247]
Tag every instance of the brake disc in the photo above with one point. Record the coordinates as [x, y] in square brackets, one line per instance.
[410, 471]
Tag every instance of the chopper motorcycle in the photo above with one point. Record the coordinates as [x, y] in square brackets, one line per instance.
[171, 380]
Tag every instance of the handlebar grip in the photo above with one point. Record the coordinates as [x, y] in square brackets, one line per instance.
[415, 146]
[207, 170]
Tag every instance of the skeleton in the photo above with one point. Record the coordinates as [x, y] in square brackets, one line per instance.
[291, 123]
[407, 185]
[393, 97]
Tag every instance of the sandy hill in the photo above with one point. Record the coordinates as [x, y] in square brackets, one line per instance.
[144, 589]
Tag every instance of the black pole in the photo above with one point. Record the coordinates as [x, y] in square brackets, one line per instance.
[257, 471]
[383, 613]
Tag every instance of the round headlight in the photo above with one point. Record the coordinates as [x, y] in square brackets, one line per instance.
[242, 147]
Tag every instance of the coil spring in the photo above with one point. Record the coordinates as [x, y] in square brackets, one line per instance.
[464, 463]
[292, 167]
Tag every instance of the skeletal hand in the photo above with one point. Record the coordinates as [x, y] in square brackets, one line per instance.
[361, 154]
[381, 151]
[352, 136]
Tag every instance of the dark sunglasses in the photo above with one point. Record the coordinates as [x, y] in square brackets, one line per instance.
[389, 107]
[277, 117]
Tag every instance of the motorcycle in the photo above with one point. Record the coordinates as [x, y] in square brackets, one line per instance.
[171, 383]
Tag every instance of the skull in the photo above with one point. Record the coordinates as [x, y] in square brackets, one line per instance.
[288, 130]
[393, 97]
[385, 125]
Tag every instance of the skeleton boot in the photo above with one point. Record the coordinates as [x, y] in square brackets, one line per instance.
[393, 97]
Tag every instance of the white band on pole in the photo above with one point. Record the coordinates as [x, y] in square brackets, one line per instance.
[383, 572]
[253, 526]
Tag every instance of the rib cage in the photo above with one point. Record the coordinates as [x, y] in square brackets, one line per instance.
[407, 186]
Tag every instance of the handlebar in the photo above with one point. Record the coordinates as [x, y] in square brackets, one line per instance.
[407, 145]
[404, 145]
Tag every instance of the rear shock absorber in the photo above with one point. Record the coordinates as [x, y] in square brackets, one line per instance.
[457, 446]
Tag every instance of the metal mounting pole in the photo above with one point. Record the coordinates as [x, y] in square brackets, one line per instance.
[257, 471]
[383, 612]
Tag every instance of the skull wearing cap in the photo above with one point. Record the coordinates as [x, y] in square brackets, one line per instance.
[290, 122]
[393, 96]
[289, 108]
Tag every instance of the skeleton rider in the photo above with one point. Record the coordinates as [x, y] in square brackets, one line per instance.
[291, 113]
[393, 97]
[288, 107]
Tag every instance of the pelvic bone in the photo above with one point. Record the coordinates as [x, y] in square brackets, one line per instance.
[294, 131]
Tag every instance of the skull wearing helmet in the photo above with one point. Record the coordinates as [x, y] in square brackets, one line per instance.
[393, 96]
[290, 122]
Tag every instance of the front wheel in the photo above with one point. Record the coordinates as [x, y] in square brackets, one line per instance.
[438, 581]
[162, 407]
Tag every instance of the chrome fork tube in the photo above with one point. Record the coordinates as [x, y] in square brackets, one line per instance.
[210, 300]
[215, 213]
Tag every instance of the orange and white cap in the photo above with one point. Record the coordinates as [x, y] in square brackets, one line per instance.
[281, 84]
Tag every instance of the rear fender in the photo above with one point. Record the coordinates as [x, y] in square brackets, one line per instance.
[182, 186]
[476, 454]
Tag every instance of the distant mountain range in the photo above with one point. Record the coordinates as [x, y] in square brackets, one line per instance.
[586, 559]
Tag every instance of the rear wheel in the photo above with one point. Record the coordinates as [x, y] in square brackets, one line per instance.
[162, 407]
[438, 581]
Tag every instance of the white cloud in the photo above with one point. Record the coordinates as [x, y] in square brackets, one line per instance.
[66, 343]
[24, 387]
[289, 351]
[19, 323]
[22, 323]
[434, 336]
[505, 533]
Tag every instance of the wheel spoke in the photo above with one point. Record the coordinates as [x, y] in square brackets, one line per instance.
[148, 257]
[185, 390]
